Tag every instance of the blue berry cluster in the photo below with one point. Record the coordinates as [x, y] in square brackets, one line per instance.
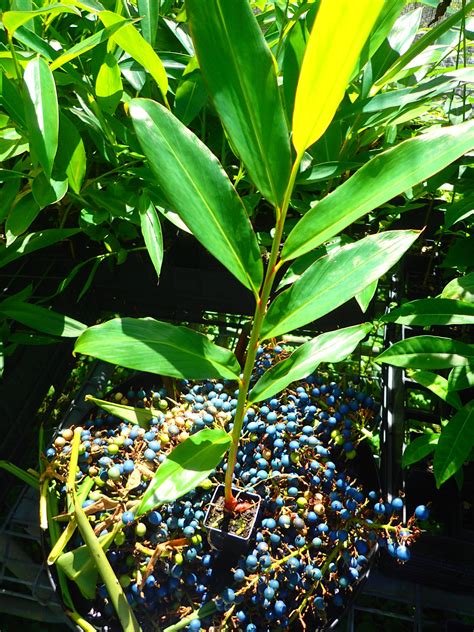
[315, 533]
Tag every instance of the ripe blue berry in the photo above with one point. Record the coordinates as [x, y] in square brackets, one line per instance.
[422, 512]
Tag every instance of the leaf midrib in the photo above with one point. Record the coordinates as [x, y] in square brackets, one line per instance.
[313, 298]
[211, 213]
[339, 225]
[182, 349]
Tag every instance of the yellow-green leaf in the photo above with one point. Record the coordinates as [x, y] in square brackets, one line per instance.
[12, 20]
[337, 38]
[135, 45]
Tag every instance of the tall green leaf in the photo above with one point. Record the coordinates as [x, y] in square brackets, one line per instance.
[382, 178]
[12, 20]
[438, 385]
[42, 319]
[455, 444]
[419, 448]
[42, 114]
[336, 41]
[420, 45]
[334, 279]
[333, 346]
[428, 352]
[86, 45]
[199, 190]
[432, 311]
[135, 45]
[150, 12]
[151, 231]
[240, 74]
[185, 467]
[191, 93]
[149, 345]
[71, 155]
[108, 85]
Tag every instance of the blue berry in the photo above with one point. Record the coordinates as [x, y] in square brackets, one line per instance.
[403, 553]
[422, 512]
[127, 517]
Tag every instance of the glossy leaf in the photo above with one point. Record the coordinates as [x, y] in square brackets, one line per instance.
[334, 279]
[34, 241]
[419, 448]
[199, 190]
[426, 312]
[185, 467]
[86, 45]
[21, 216]
[378, 181]
[240, 74]
[461, 288]
[438, 385]
[48, 191]
[191, 93]
[71, 155]
[459, 211]
[461, 377]
[336, 41]
[139, 416]
[149, 345]
[333, 346]
[429, 38]
[108, 85]
[455, 444]
[151, 231]
[42, 319]
[428, 352]
[135, 45]
[14, 19]
[42, 114]
[150, 12]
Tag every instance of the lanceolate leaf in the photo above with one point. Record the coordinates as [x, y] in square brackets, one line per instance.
[421, 44]
[336, 41]
[432, 311]
[428, 352]
[455, 444]
[71, 156]
[149, 345]
[438, 385]
[34, 241]
[419, 448]
[42, 115]
[334, 279]
[382, 178]
[42, 319]
[14, 19]
[108, 85]
[140, 416]
[151, 230]
[21, 217]
[240, 73]
[150, 11]
[185, 467]
[333, 346]
[198, 190]
[135, 45]
[364, 298]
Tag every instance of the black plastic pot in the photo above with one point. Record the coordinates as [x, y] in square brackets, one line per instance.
[227, 541]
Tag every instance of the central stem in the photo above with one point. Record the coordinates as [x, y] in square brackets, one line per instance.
[260, 311]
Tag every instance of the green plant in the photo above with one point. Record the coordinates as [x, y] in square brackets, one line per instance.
[227, 36]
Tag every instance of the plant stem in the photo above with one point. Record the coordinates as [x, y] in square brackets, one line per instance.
[260, 311]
